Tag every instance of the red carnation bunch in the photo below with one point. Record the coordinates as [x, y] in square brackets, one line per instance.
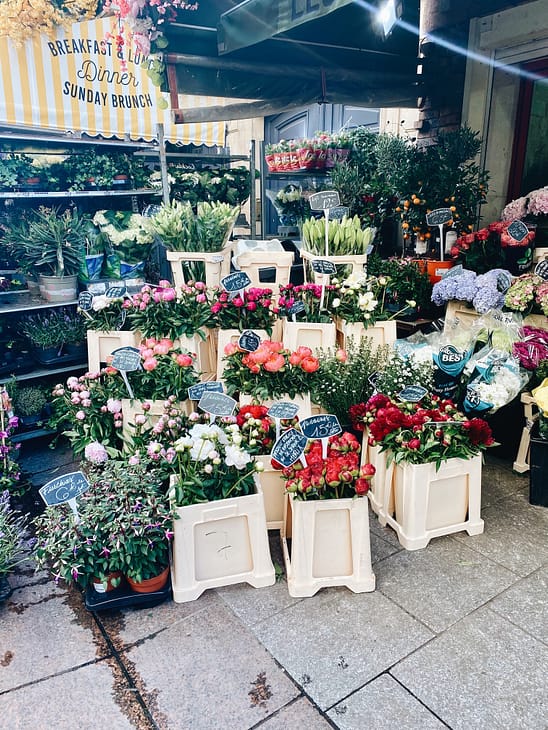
[336, 477]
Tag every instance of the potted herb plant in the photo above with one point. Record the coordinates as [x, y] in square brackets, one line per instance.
[46, 334]
[75, 328]
[30, 404]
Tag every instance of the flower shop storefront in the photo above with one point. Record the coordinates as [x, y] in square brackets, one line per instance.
[215, 408]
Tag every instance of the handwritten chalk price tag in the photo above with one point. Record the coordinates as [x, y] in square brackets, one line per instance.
[65, 488]
[324, 199]
[115, 292]
[321, 427]
[249, 341]
[412, 393]
[280, 411]
[236, 282]
[439, 217]
[321, 266]
[216, 404]
[541, 269]
[374, 378]
[338, 212]
[517, 230]
[289, 448]
[126, 360]
[295, 309]
[195, 392]
[85, 301]
[453, 271]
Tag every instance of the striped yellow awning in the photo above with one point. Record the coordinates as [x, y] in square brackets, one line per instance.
[75, 82]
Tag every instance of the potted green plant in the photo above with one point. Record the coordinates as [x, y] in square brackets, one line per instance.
[123, 530]
[89, 170]
[53, 243]
[46, 333]
[13, 542]
[75, 328]
[407, 280]
[15, 169]
[30, 405]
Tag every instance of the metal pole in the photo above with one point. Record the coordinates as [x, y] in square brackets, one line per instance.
[163, 164]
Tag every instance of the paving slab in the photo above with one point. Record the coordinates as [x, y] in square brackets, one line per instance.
[41, 635]
[336, 641]
[498, 482]
[525, 604]
[483, 672]
[381, 548]
[130, 625]
[442, 583]
[76, 699]
[298, 714]
[209, 671]
[387, 533]
[514, 536]
[386, 705]
[253, 605]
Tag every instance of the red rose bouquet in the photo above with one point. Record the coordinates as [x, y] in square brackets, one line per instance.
[258, 430]
[433, 430]
[271, 371]
[336, 477]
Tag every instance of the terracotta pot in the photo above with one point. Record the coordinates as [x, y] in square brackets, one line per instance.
[112, 581]
[436, 269]
[149, 585]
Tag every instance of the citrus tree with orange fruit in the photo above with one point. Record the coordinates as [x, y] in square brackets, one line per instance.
[444, 175]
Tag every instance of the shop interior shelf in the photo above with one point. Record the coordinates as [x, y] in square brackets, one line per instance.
[45, 372]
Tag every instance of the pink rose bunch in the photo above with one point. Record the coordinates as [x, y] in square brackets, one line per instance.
[249, 309]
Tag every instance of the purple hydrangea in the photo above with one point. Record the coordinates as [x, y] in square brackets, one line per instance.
[462, 287]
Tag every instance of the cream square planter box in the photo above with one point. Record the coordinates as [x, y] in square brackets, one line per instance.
[302, 400]
[204, 349]
[382, 332]
[355, 262]
[309, 334]
[224, 337]
[102, 344]
[381, 482]
[216, 264]
[430, 503]
[218, 544]
[273, 488]
[330, 545]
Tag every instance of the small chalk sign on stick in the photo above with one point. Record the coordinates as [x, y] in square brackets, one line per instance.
[216, 404]
[289, 448]
[517, 230]
[282, 410]
[338, 212]
[235, 283]
[85, 301]
[412, 393]
[126, 359]
[249, 341]
[65, 488]
[321, 427]
[295, 309]
[116, 292]
[439, 217]
[324, 200]
[322, 266]
[195, 392]
[541, 269]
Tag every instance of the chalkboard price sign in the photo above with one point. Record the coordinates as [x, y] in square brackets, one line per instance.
[249, 341]
[195, 392]
[289, 448]
[453, 271]
[296, 308]
[324, 199]
[64, 488]
[236, 282]
[85, 301]
[283, 410]
[412, 393]
[320, 427]
[217, 404]
[541, 269]
[115, 292]
[126, 359]
[439, 217]
[374, 378]
[338, 212]
[518, 231]
[321, 266]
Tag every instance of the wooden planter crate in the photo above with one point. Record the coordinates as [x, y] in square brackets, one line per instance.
[330, 545]
[218, 544]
